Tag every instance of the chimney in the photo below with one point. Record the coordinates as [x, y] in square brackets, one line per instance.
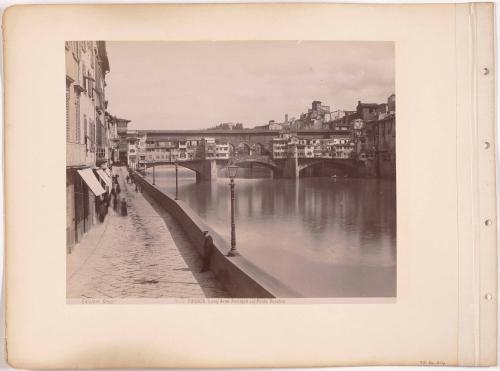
[286, 118]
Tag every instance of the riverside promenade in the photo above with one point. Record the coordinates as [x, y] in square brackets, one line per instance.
[145, 254]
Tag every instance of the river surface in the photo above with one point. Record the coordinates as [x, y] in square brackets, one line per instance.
[320, 236]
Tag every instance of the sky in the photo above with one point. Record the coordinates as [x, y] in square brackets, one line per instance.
[195, 85]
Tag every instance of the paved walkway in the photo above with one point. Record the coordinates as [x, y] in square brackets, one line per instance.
[142, 255]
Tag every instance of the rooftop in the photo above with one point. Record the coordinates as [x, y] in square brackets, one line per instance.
[372, 105]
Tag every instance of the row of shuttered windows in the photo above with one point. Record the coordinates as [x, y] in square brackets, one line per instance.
[89, 128]
[72, 135]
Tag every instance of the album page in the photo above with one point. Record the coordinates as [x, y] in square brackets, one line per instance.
[250, 185]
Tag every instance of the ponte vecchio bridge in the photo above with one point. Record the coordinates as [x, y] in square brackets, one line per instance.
[256, 145]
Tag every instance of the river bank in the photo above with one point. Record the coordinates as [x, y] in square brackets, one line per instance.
[324, 237]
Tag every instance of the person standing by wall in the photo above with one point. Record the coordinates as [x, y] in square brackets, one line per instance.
[208, 248]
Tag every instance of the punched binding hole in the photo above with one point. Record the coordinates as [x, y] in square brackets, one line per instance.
[488, 297]
[486, 145]
[486, 71]
[487, 222]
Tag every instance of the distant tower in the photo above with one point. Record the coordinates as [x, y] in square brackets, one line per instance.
[391, 103]
[316, 105]
[286, 118]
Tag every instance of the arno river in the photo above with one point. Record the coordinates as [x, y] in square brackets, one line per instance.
[323, 237]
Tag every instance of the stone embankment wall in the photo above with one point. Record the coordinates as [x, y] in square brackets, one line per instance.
[240, 277]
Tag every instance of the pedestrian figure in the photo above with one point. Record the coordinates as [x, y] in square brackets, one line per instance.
[118, 189]
[124, 207]
[106, 202]
[115, 203]
[136, 188]
[128, 179]
[102, 211]
[208, 248]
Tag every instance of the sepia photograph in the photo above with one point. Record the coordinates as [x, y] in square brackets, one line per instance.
[200, 170]
[234, 176]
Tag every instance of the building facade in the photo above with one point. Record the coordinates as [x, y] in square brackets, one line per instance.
[113, 139]
[378, 140]
[121, 129]
[381, 139]
[87, 138]
[142, 150]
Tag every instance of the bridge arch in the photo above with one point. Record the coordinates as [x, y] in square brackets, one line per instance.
[277, 171]
[204, 169]
[259, 149]
[244, 149]
[191, 165]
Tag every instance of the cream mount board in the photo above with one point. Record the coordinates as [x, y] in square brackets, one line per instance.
[444, 309]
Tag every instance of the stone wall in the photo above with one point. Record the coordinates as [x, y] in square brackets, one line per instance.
[240, 277]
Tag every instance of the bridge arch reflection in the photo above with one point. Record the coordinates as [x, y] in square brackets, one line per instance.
[324, 167]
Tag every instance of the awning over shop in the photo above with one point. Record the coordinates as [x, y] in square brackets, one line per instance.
[105, 177]
[91, 181]
[107, 171]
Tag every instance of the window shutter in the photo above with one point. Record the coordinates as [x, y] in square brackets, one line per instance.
[85, 132]
[77, 117]
[67, 112]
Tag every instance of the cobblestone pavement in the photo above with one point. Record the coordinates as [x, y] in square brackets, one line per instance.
[142, 255]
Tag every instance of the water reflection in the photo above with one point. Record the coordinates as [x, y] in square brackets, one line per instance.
[323, 237]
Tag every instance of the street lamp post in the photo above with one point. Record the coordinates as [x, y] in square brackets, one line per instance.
[154, 173]
[232, 169]
[176, 180]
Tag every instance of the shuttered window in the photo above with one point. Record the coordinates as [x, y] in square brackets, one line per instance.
[93, 134]
[77, 118]
[84, 80]
[67, 112]
[85, 132]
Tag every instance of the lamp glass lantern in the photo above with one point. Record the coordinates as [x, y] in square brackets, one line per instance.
[232, 170]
